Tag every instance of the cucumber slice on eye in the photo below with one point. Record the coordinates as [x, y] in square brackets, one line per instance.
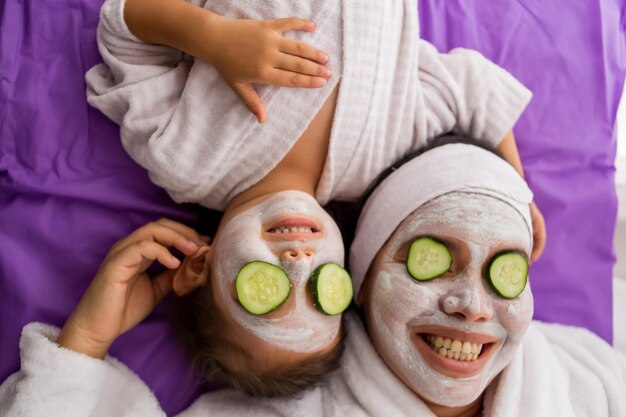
[507, 274]
[428, 259]
[332, 288]
[262, 287]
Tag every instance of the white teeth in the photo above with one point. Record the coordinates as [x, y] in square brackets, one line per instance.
[438, 341]
[454, 349]
[456, 345]
[291, 229]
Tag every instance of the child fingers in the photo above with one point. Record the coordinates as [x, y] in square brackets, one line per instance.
[294, 23]
[248, 95]
[285, 78]
[302, 66]
[303, 50]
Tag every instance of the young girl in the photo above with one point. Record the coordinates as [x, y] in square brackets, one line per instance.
[185, 117]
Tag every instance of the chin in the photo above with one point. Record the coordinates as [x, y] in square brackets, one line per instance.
[453, 394]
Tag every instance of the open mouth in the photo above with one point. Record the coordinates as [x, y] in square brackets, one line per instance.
[458, 350]
[294, 225]
[454, 353]
[292, 229]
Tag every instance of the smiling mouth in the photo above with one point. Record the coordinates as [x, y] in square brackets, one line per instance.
[294, 227]
[455, 353]
[458, 350]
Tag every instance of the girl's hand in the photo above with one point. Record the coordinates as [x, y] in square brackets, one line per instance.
[539, 232]
[122, 294]
[255, 51]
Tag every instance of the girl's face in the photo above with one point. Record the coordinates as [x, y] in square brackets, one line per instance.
[288, 229]
[410, 321]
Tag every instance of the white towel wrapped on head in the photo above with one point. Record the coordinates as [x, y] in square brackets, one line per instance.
[454, 167]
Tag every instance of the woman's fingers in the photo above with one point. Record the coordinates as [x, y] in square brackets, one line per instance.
[136, 258]
[162, 285]
[302, 66]
[303, 50]
[166, 232]
[185, 230]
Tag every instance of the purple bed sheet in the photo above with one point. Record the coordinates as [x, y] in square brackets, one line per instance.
[68, 191]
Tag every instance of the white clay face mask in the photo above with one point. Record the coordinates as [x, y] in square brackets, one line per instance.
[290, 230]
[448, 338]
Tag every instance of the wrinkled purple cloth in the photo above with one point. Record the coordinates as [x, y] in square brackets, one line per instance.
[68, 191]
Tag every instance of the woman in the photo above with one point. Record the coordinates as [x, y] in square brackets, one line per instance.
[473, 210]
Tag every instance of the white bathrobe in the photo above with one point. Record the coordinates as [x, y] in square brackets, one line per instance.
[181, 122]
[558, 371]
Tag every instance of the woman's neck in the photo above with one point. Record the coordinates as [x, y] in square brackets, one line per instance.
[473, 409]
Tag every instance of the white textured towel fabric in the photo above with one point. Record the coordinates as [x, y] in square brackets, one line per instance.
[181, 122]
[558, 371]
[455, 167]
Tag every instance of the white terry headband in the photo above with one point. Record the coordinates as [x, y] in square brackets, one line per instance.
[446, 169]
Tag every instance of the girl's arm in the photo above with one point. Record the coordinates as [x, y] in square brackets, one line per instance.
[242, 51]
[466, 93]
[508, 150]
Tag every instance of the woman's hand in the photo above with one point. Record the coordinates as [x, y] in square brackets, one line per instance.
[122, 294]
[255, 51]
[539, 232]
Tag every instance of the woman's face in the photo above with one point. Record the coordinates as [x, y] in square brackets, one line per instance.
[291, 230]
[410, 321]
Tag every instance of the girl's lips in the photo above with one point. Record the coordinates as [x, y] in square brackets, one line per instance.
[270, 232]
[452, 367]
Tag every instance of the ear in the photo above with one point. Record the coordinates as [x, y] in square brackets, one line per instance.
[193, 272]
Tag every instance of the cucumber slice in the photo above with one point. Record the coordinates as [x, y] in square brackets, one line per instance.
[507, 273]
[262, 287]
[332, 288]
[428, 259]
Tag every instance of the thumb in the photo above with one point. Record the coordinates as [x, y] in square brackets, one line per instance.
[162, 285]
[250, 98]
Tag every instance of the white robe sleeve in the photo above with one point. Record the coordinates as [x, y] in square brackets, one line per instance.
[140, 87]
[466, 93]
[54, 381]
[135, 76]
[181, 121]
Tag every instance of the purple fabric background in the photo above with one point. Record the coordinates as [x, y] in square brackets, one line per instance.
[68, 191]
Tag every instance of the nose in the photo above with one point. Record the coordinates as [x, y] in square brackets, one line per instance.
[296, 254]
[297, 264]
[468, 303]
